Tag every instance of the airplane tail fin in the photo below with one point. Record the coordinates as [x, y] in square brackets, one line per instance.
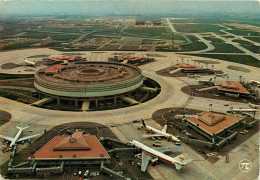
[178, 166]
[182, 160]
[22, 127]
[143, 123]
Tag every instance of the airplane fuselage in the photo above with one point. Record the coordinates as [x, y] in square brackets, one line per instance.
[155, 153]
[167, 135]
[16, 137]
[245, 110]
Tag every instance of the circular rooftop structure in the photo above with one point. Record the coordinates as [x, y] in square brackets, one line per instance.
[88, 79]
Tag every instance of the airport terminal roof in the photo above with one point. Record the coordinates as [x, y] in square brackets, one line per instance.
[187, 66]
[210, 118]
[130, 58]
[77, 146]
[63, 58]
[53, 69]
[219, 122]
[231, 86]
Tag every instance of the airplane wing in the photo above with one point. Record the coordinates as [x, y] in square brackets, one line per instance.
[26, 137]
[168, 149]
[153, 135]
[181, 160]
[145, 161]
[164, 129]
[8, 138]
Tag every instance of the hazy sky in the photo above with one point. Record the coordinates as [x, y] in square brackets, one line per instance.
[124, 7]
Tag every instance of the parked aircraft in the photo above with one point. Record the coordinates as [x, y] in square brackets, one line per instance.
[254, 106]
[244, 110]
[205, 82]
[254, 82]
[29, 63]
[16, 139]
[149, 153]
[194, 76]
[159, 133]
[221, 75]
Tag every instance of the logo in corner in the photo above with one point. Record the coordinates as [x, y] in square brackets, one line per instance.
[245, 165]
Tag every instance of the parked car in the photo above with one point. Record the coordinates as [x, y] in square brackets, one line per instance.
[86, 173]
[158, 144]
[177, 143]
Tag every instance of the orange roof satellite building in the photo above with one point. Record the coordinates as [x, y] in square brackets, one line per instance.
[213, 123]
[75, 147]
[231, 87]
[63, 58]
[188, 68]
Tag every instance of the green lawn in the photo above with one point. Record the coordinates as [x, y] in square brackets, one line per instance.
[200, 20]
[15, 76]
[243, 32]
[14, 28]
[64, 37]
[225, 48]
[255, 39]
[197, 28]
[194, 46]
[153, 32]
[214, 40]
[248, 45]
[17, 46]
[242, 59]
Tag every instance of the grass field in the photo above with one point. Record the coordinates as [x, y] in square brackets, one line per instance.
[225, 48]
[197, 28]
[65, 37]
[243, 32]
[214, 40]
[15, 76]
[255, 39]
[248, 45]
[194, 46]
[158, 32]
[200, 20]
[36, 35]
[217, 20]
[13, 28]
[242, 59]
[17, 46]
[178, 37]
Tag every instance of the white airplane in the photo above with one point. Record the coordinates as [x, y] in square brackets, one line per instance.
[194, 76]
[254, 106]
[254, 82]
[159, 133]
[205, 81]
[29, 63]
[16, 139]
[244, 110]
[221, 75]
[148, 154]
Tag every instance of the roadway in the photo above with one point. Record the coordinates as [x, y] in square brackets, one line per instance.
[210, 47]
[171, 26]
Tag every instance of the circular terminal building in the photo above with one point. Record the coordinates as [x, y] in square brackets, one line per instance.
[88, 80]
